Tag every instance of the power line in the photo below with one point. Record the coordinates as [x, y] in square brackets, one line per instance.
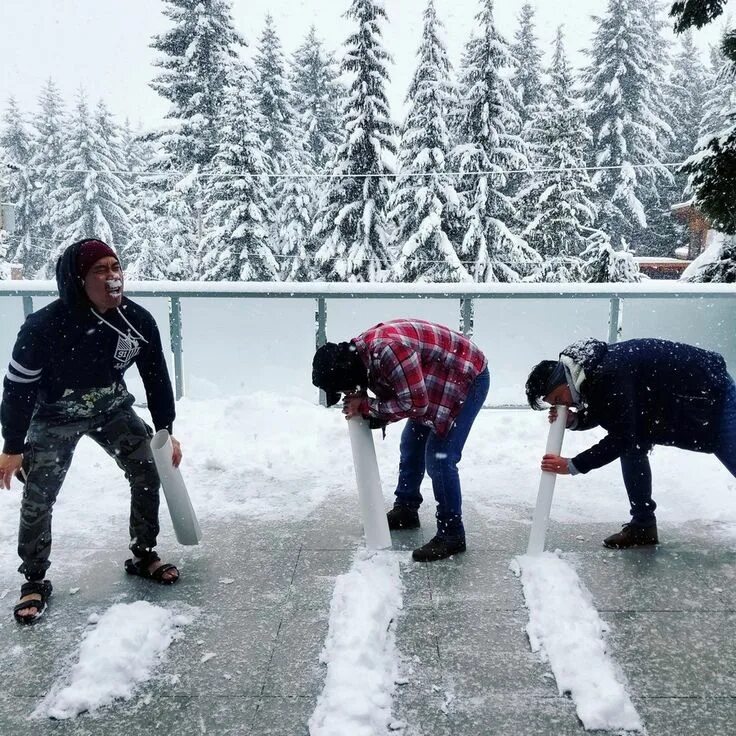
[349, 175]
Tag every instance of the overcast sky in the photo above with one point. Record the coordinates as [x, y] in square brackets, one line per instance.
[103, 45]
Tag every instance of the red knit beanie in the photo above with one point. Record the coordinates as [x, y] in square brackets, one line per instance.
[89, 253]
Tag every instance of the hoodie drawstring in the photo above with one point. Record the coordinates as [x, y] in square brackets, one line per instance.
[127, 337]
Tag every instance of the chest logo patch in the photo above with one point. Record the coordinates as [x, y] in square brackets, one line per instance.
[126, 349]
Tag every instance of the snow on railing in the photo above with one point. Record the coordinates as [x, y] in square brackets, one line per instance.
[333, 290]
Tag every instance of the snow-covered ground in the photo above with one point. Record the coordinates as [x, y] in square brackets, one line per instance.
[272, 457]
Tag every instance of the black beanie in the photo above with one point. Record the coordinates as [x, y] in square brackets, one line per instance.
[337, 367]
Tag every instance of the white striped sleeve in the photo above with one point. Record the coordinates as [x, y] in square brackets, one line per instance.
[20, 374]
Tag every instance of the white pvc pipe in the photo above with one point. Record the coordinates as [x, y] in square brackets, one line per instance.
[370, 493]
[547, 486]
[183, 518]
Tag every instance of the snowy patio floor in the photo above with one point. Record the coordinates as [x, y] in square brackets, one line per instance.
[262, 588]
[465, 654]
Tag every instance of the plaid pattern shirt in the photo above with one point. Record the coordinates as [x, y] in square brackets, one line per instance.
[418, 370]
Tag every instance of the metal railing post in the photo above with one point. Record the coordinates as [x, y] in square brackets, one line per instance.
[466, 316]
[176, 344]
[615, 319]
[320, 334]
[27, 305]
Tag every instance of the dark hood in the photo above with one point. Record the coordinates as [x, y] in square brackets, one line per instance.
[70, 285]
[586, 353]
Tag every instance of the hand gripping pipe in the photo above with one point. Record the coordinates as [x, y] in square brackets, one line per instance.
[547, 485]
[375, 525]
[186, 526]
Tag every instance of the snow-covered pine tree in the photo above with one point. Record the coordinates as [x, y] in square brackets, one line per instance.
[687, 92]
[273, 97]
[603, 264]
[691, 80]
[4, 264]
[91, 195]
[18, 145]
[110, 135]
[161, 238]
[236, 244]
[318, 99]
[291, 197]
[196, 53]
[46, 163]
[559, 204]
[294, 219]
[626, 126]
[712, 168]
[489, 131]
[527, 64]
[351, 224]
[147, 257]
[141, 210]
[662, 234]
[424, 204]
[720, 98]
[4, 234]
[180, 230]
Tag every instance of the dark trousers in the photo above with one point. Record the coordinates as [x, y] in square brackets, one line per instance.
[47, 457]
[638, 482]
[638, 475]
[423, 451]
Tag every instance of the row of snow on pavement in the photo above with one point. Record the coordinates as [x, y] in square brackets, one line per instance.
[566, 630]
[122, 648]
[360, 650]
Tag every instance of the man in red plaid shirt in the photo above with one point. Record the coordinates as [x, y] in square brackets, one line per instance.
[432, 376]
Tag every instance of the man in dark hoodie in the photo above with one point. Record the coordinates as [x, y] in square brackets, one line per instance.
[65, 380]
[642, 392]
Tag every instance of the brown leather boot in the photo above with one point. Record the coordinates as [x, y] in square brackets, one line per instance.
[632, 536]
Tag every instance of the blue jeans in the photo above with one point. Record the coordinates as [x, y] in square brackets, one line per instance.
[422, 449]
[638, 475]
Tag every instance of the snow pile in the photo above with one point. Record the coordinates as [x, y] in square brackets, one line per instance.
[115, 657]
[360, 650]
[262, 455]
[268, 457]
[566, 629]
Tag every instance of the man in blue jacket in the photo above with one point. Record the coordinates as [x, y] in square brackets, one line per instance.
[65, 380]
[643, 393]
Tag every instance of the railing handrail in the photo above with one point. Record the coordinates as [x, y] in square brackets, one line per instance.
[322, 291]
[333, 290]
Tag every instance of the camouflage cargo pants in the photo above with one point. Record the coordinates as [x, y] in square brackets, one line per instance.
[47, 457]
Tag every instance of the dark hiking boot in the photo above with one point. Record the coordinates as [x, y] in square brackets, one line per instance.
[632, 536]
[438, 548]
[402, 517]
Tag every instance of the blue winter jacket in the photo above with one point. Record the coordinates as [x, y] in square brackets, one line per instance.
[68, 364]
[646, 392]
